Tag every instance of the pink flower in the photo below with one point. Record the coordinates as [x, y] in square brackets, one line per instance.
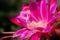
[36, 18]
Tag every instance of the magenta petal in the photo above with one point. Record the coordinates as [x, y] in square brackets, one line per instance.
[44, 10]
[53, 6]
[19, 32]
[23, 17]
[54, 17]
[27, 34]
[52, 20]
[34, 8]
[47, 29]
[16, 21]
[35, 37]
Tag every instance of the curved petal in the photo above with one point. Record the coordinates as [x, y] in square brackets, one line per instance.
[19, 32]
[54, 17]
[35, 37]
[27, 11]
[22, 18]
[52, 20]
[44, 10]
[53, 6]
[34, 8]
[16, 21]
[24, 33]
[27, 34]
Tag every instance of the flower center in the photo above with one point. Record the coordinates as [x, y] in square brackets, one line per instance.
[39, 24]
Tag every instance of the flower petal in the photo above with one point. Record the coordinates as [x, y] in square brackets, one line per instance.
[35, 37]
[34, 8]
[47, 29]
[16, 21]
[27, 34]
[53, 6]
[19, 32]
[54, 17]
[52, 20]
[44, 10]
[23, 17]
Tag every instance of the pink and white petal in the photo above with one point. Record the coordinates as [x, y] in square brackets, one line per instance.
[26, 12]
[19, 32]
[47, 29]
[53, 6]
[35, 37]
[27, 34]
[23, 17]
[27, 16]
[44, 10]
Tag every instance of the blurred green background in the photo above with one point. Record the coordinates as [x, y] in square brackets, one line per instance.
[10, 8]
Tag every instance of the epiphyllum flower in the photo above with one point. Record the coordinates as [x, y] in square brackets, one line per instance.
[36, 18]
